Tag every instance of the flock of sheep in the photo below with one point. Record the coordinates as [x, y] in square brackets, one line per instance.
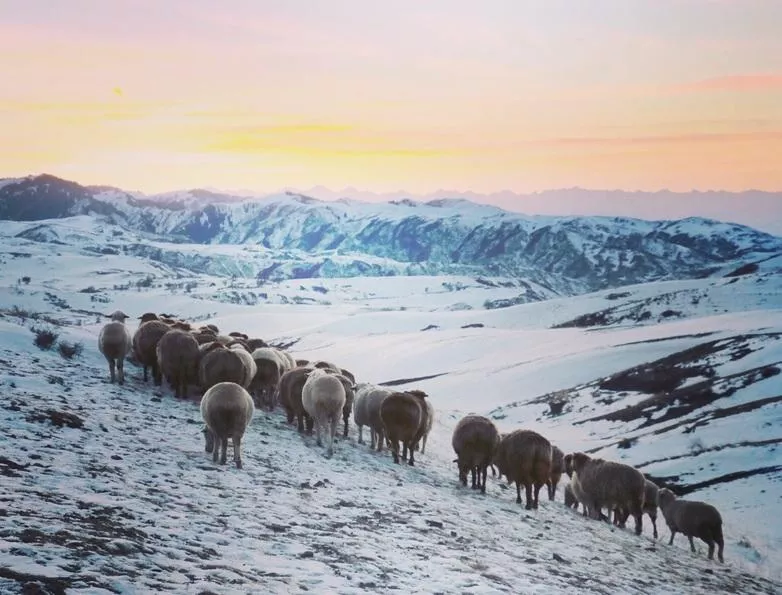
[238, 374]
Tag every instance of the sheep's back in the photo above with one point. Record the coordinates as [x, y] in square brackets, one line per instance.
[374, 401]
[146, 338]
[291, 386]
[220, 365]
[114, 340]
[612, 484]
[474, 440]
[695, 518]
[250, 367]
[524, 456]
[227, 408]
[177, 350]
[323, 394]
[401, 415]
[360, 405]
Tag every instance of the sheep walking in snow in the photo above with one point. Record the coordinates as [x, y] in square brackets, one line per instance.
[290, 397]
[426, 425]
[250, 368]
[402, 414]
[605, 484]
[350, 397]
[219, 364]
[115, 343]
[269, 369]
[227, 409]
[323, 397]
[474, 440]
[374, 402]
[145, 341]
[360, 409]
[650, 507]
[524, 457]
[693, 519]
[557, 467]
[178, 356]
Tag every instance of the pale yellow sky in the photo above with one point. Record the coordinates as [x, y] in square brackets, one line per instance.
[517, 94]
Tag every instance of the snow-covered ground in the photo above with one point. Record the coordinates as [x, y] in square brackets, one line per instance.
[130, 503]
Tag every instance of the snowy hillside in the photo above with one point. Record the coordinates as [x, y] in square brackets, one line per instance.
[107, 489]
[567, 255]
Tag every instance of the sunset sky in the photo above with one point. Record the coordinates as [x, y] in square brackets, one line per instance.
[471, 95]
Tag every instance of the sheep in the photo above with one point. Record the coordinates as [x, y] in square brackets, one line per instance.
[374, 401]
[250, 367]
[324, 365]
[147, 316]
[611, 485]
[650, 507]
[227, 409]
[557, 467]
[350, 396]
[287, 360]
[269, 369]
[115, 342]
[290, 394]
[178, 355]
[323, 397]
[360, 412]
[474, 439]
[524, 457]
[302, 363]
[402, 414]
[574, 486]
[348, 374]
[219, 364]
[145, 341]
[255, 343]
[693, 519]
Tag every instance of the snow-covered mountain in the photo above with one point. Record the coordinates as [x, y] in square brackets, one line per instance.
[311, 238]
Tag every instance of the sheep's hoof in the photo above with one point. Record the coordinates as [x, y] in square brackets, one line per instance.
[238, 464]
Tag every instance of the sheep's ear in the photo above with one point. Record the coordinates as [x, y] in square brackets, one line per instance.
[456, 460]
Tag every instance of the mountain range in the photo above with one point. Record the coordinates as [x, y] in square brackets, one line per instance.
[313, 238]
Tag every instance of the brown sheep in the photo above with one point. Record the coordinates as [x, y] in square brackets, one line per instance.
[426, 425]
[115, 343]
[557, 467]
[145, 341]
[693, 519]
[255, 343]
[524, 457]
[147, 316]
[178, 355]
[402, 414]
[610, 485]
[219, 364]
[227, 409]
[474, 439]
[290, 393]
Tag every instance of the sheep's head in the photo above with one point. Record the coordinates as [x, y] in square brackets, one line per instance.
[665, 497]
[118, 316]
[213, 327]
[568, 464]
[578, 461]
[147, 316]
[417, 393]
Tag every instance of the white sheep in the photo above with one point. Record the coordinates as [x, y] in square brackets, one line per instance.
[227, 410]
[360, 410]
[249, 363]
[323, 398]
[115, 343]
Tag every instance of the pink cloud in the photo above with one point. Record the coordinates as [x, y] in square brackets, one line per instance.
[704, 137]
[736, 82]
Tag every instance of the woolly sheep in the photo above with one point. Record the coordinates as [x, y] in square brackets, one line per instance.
[693, 519]
[557, 467]
[323, 397]
[611, 485]
[250, 367]
[348, 374]
[290, 395]
[524, 457]
[227, 409]
[402, 414]
[650, 506]
[426, 425]
[350, 396]
[115, 342]
[145, 341]
[218, 364]
[255, 343]
[288, 361]
[147, 316]
[302, 362]
[574, 486]
[474, 439]
[374, 401]
[269, 368]
[178, 356]
[360, 411]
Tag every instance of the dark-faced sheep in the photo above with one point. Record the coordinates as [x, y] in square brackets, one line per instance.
[402, 414]
[269, 368]
[219, 364]
[524, 457]
[693, 519]
[145, 341]
[227, 410]
[474, 439]
[115, 342]
[557, 467]
[606, 484]
[178, 355]
[323, 397]
[255, 343]
[290, 394]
